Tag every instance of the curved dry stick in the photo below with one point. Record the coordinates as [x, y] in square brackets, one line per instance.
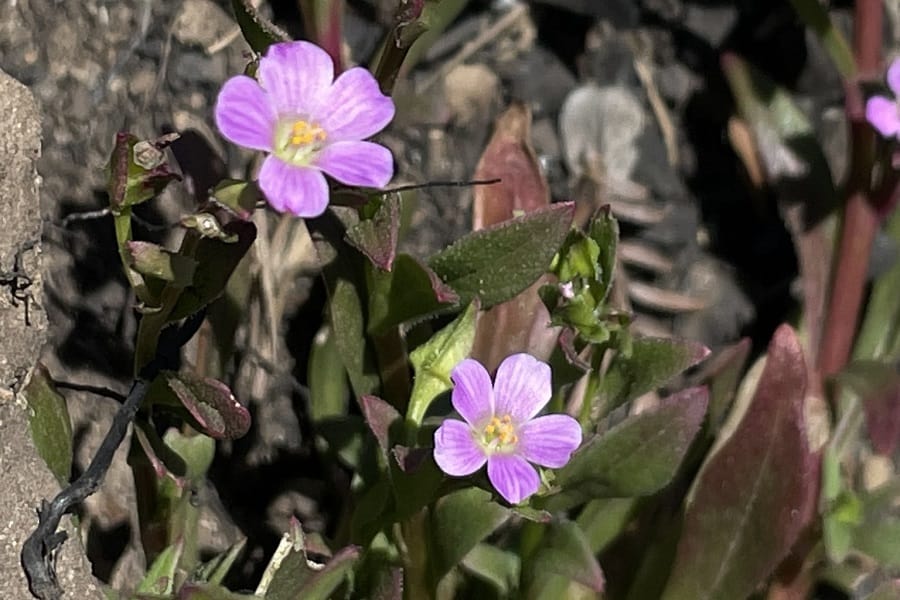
[38, 549]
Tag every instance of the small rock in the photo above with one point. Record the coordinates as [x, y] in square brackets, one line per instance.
[472, 90]
[201, 23]
[544, 94]
[604, 121]
[709, 22]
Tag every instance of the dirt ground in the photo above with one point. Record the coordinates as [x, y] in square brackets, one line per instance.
[638, 82]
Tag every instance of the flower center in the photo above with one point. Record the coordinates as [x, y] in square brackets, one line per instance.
[298, 140]
[304, 133]
[500, 433]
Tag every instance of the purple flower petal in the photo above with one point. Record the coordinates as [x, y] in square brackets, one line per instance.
[512, 477]
[521, 387]
[455, 450]
[244, 114]
[473, 394]
[357, 163]
[302, 191]
[356, 107]
[883, 114]
[297, 76]
[893, 77]
[550, 440]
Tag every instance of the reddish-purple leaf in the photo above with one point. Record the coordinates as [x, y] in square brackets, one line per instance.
[756, 494]
[510, 158]
[722, 374]
[883, 419]
[138, 170]
[522, 323]
[377, 237]
[877, 383]
[211, 403]
[518, 325]
[410, 460]
[379, 416]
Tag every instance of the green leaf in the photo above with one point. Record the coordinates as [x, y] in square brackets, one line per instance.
[877, 384]
[160, 577]
[411, 291]
[602, 520]
[879, 335]
[756, 493]
[155, 261]
[259, 32]
[459, 521]
[240, 196]
[815, 16]
[376, 237]
[345, 281]
[216, 261]
[564, 551]
[842, 512]
[651, 363]
[722, 375]
[51, 428]
[496, 263]
[210, 403]
[637, 457]
[878, 535]
[499, 568]
[328, 390]
[293, 575]
[197, 452]
[435, 359]
[214, 570]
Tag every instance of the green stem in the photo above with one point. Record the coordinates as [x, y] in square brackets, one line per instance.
[390, 352]
[152, 323]
[417, 577]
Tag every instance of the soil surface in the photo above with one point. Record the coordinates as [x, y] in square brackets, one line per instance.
[637, 84]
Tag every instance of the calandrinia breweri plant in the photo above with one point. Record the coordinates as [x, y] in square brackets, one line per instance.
[310, 123]
[882, 112]
[500, 427]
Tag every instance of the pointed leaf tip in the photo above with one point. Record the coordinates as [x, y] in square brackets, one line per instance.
[754, 495]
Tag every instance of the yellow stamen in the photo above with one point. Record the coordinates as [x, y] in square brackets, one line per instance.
[501, 430]
[304, 133]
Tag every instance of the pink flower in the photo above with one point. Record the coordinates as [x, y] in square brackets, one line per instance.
[309, 123]
[500, 427]
[883, 113]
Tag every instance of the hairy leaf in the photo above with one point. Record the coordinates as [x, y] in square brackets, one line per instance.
[637, 457]
[434, 360]
[376, 237]
[51, 428]
[459, 521]
[651, 363]
[564, 551]
[496, 263]
[210, 403]
[411, 291]
[259, 32]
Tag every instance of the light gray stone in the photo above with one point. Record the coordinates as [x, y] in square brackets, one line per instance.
[24, 478]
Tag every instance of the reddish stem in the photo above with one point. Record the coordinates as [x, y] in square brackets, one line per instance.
[860, 219]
